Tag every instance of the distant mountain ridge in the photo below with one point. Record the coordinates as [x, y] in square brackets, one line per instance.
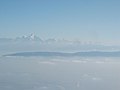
[32, 43]
[33, 37]
[61, 54]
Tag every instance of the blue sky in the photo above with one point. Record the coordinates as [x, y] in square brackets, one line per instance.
[96, 20]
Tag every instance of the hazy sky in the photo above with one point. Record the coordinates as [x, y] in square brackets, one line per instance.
[70, 19]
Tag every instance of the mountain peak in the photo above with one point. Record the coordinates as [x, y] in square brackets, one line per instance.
[31, 37]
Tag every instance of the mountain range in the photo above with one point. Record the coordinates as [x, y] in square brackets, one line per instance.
[33, 43]
[33, 37]
[61, 54]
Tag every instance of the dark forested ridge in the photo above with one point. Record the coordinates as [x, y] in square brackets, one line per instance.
[61, 54]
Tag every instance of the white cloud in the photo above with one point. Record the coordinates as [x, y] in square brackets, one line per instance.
[79, 61]
[47, 62]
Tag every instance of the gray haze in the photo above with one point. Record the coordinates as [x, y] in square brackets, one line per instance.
[20, 72]
[42, 73]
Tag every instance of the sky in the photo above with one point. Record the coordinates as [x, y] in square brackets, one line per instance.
[90, 20]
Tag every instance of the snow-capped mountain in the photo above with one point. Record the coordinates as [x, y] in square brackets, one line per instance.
[33, 42]
[30, 37]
